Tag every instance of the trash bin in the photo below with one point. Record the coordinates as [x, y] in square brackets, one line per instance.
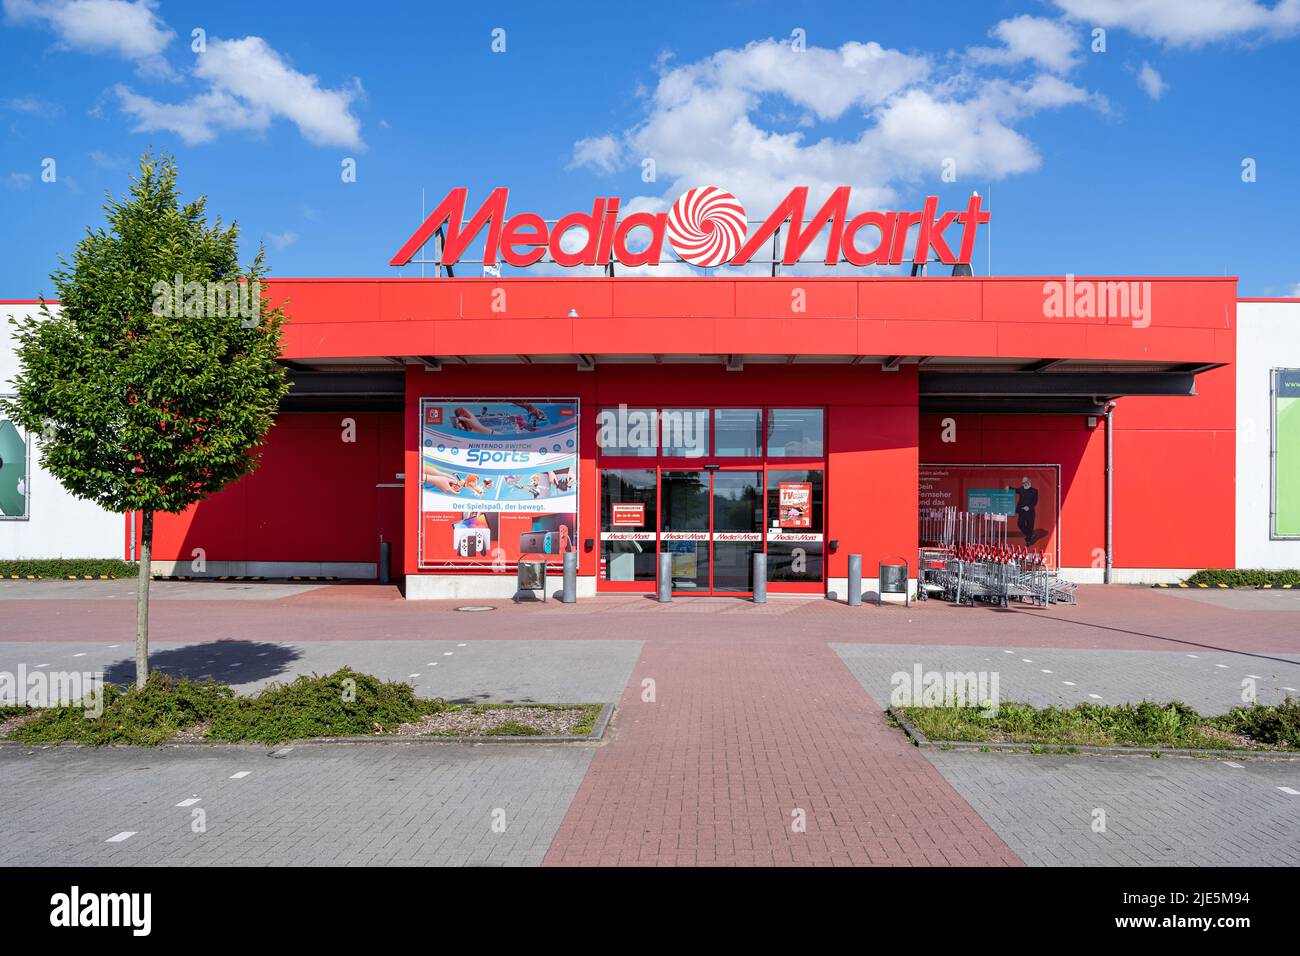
[893, 580]
[532, 577]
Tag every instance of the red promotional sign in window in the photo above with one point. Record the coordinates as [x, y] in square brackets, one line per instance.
[795, 504]
[632, 515]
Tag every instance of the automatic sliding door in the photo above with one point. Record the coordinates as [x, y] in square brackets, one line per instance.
[627, 526]
[737, 528]
[684, 500]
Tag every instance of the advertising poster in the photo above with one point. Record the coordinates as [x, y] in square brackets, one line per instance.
[1029, 495]
[1286, 453]
[499, 480]
[794, 504]
[13, 471]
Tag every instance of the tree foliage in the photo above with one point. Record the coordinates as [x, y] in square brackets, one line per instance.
[143, 400]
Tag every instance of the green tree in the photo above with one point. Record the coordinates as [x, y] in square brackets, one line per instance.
[153, 383]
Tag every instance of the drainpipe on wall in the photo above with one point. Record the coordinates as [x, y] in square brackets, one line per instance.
[1110, 471]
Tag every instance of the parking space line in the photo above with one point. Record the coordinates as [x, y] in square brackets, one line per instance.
[122, 837]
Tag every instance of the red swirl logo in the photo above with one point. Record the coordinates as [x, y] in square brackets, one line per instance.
[706, 226]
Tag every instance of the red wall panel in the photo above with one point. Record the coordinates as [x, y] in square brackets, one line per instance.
[312, 498]
[1001, 316]
[1174, 478]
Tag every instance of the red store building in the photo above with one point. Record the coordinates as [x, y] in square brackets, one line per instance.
[467, 421]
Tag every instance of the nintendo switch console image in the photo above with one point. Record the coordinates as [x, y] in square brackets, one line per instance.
[470, 542]
[539, 542]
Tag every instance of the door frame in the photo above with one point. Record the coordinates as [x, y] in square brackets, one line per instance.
[763, 464]
[712, 471]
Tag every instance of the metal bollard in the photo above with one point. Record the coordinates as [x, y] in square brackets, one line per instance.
[385, 560]
[855, 580]
[760, 577]
[569, 593]
[665, 584]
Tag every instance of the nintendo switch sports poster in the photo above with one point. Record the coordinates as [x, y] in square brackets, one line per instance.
[499, 480]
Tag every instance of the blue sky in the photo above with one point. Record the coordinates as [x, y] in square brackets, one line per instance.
[1127, 161]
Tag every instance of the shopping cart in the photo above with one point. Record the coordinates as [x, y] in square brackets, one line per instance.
[965, 558]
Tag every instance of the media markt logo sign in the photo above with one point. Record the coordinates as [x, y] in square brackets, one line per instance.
[706, 226]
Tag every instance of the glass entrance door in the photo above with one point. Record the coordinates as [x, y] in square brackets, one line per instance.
[737, 529]
[684, 528]
[712, 526]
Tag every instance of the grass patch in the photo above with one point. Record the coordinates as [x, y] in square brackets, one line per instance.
[1243, 577]
[1259, 727]
[343, 704]
[144, 716]
[62, 567]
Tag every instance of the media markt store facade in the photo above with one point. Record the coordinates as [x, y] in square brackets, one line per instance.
[452, 420]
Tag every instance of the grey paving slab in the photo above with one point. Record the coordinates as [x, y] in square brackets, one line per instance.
[446, 805]
[1211, 682]
[1165, 811]
[544, 670]
[1245, 599]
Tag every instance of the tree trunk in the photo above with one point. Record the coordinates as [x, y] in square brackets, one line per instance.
[142, 603]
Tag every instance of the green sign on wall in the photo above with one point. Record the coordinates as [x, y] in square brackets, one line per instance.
[1286, 453]
[13, 472]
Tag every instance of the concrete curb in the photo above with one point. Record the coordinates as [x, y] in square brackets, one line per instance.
[597, 733]
[1231, 587]
[919, 739]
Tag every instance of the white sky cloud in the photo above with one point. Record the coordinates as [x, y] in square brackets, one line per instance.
[599, 152]
[1152, 83]
[1051, 44]
[897, 116]
[1189, 22]
[249, 85]
[281, 240]
[131, 29]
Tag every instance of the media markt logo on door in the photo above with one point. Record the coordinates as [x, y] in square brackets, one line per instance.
[75, 909]
[706, 226]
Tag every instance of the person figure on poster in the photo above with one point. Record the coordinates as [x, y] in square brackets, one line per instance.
[1026, 510]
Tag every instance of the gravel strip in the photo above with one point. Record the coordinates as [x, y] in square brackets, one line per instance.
[10, 724]
[197, 731]
[472, 723]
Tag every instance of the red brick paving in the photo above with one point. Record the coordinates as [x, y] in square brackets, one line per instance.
[739, 736]
[1132, 618]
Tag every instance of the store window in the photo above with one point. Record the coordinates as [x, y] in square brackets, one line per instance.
[795, 433]
[627, 432]
[795, 519]
[685, 432]
[738, 432]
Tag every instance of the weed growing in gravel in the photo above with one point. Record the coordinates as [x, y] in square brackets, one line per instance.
[345, 703]
[1145, 724]
[138, 715]
[1277, 726]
